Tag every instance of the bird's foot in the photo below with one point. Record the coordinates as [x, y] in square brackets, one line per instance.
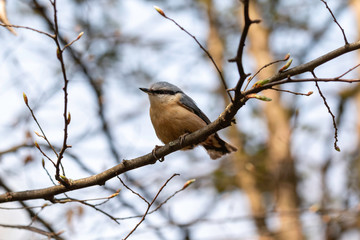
[153, 152]
[182, 139]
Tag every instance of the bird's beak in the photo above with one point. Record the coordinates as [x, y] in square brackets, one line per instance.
[145, 90]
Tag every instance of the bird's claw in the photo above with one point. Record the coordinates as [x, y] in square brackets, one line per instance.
[182, 138]
[153, 152]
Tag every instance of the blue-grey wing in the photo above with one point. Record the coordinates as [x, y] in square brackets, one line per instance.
[190, 104]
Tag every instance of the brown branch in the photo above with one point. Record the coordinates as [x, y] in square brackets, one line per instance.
[135, 193]
[93, 83]
[39, 126]
[149, 204]
[197, 137]
[291, 92]
[334, 18]
[31, 213]
[222, 122]
[66, 115]
[290, 80]
[310, 66]
[94, 206]
[28, 28]
[350, 70]
[201, 47]
[162, 203]
[32, 229]
[95, 86]
[265, 66]
[332, 115]
[15, 148]
[240, 52]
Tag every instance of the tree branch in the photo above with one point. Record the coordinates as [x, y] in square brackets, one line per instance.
[197, 137]
[310, 66]
[223, 121]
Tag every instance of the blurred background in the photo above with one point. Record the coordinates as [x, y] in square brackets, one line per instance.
[286, 181]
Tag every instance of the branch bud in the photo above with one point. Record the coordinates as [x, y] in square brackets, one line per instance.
[79, 36]
[25, 99]
[65, 179]
[58, 54]
[68, 118]
[37, 145]
[262, 98]
[287, 56]
[260, 83]
[286, 66]
[38, 134]
[188, 183]
[160, 11]
[114, 194]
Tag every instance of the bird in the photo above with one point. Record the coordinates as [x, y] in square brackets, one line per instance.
[174, 115]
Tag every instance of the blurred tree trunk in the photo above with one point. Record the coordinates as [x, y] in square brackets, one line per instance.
[280, 161]
[355, 5]
[245, 177]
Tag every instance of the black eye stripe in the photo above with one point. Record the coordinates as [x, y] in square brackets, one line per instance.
[169, 92]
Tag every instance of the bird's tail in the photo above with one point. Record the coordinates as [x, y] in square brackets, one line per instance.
[216, 147]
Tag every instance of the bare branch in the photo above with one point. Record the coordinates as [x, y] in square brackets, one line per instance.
[149, 205]
[223, 121]
[66, 115]
[73, 41]
[163, 202]
[28, 28]
[330, 112]
[265, 66]
[161, 12]
[334, 18]
[32, 229]
[39, 126]
[137, 194]
[295, 93]
[310, 66]
[240, 51]
[31, 213]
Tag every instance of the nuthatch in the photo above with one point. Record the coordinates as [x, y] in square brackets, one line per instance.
[174, 114]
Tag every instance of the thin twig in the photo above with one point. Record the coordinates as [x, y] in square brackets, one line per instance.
[202, 48]
[47, 172]
[28, 28]
[263, 67]
[31, 213]
[73, 41]
[39, 126]
[161, 204]
[240, 52]
[350, 70]
[94, 206]
[149, 206]
[334, 18]
[44, 154]
[330, 112]
[295, 93]
[137, 194]
[66, 115]
[32, 229]
[223, 121]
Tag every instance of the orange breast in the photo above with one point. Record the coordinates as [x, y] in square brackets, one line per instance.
[172, 121]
